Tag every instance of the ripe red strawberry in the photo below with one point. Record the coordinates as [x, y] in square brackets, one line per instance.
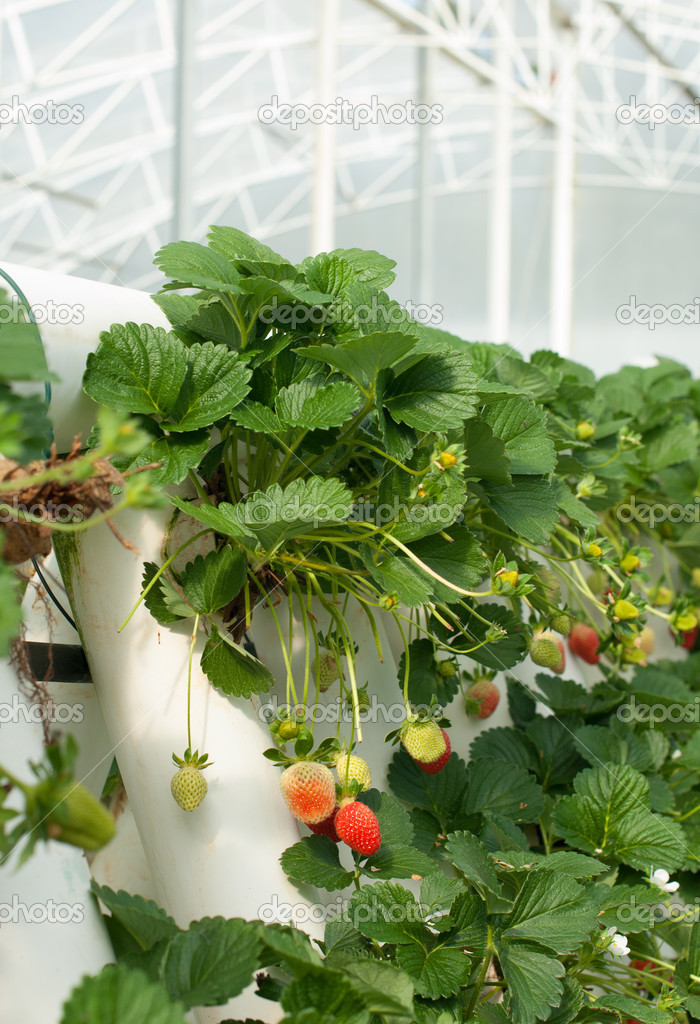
[358, 827]
[583, 642]
[326, 828]
[433, 767]
[309, 790]
[487, 694]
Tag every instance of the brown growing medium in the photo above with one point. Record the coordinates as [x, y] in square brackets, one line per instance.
[22, 540]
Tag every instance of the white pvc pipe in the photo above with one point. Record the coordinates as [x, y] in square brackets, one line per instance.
[54, 934]
[92, 307]
[222, 859]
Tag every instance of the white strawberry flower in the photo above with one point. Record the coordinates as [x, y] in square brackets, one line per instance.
[618, 943]
[660, 878]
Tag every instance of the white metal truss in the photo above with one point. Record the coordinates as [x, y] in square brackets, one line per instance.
[172, 141]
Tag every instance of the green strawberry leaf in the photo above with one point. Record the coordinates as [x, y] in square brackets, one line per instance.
[521, 425]
[315, 860]
[424, 682]
[504, 789]
[137, 369]
[178, 453]
[496, 654]
[216, 381]
[363, 357]
[309, 406]
[210, 583]
[119, 995]
[144, 920]
[437, 393]
[533, 977]
[441, 794]
[190, 264]
[528, 507]
[386, 912]
[460, 562]
[211, 962]
[625, 1005]
[436, 972]
[231, 669]
[609, 814]
[471, 857]
[553, 910]
[161, 600]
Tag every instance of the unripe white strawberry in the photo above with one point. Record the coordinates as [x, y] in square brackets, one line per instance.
[351, 768]
[189, 787]
[423, 741]
[327, 670]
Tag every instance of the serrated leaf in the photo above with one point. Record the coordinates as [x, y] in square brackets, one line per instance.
[394, 820]
[232, 670]
[393, 861]
[506, 744]
[471, 857]
[363, 357]
[162, 598]
[486, 458]
[521, 425]
[436, 972]
[424, 681]
[441, 794]
[504, 789]
[137, 369]
[216, 381]
[258, 417]
[212, 582]
[571, 1002]
[624, 1006]
[437, 393]
[534, 981]
[278, 514]
[609, 811]
[194, 265]
[178, 453]
[144, 920]
[528, 507]
[315, 860]
[306, 405]
[459, 561]
[370, 266]
[399, 574]
[234, 244]
[496, 654]
[386, 912]
[290, 946]
[553, 910]
[119, 995]
[211, 962]
[383, 988]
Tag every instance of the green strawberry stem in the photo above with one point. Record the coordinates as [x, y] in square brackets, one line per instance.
[13, 780]
[407, 663]
[294, 586]
[160, 572]
[291, 696]
[189, 680]
[479, 983]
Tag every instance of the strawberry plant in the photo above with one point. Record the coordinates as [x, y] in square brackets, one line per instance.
[484, 507]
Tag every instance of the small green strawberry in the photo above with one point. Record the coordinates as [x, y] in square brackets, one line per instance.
[188, 786]
[351, 768]
[584, 430]
[327, 668]
[446, 669]
[423, 740]
[630, 563]
[79, 818]
[561, 623]
[625, 611]
[685, 622]
[288, 730]
[546, 650]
